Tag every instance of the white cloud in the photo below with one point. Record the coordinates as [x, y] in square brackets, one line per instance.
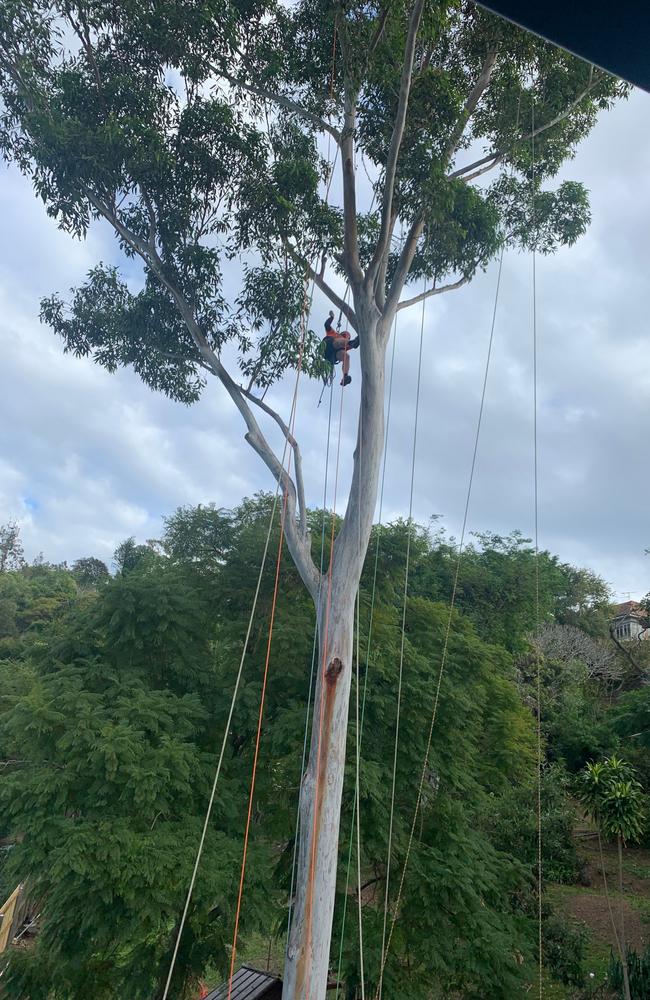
[87, 458]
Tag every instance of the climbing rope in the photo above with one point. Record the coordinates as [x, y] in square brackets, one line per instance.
[400, 673]
[325, 638]
[305, 741]
[357, 755]
[540, 944]
[312, 669]
[233, 700]
[368, 648]
[452, 602]
[258, 736]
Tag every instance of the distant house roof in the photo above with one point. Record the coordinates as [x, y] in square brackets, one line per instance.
[631, 609]
[249, 984]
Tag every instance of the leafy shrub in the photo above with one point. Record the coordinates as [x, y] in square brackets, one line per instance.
[564, 946]
[638, 969]
[511, 820]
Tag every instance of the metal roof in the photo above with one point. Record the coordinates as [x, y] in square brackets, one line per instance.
[614, 36]
[248, 984]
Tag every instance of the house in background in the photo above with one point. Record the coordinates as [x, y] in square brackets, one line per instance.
[630, 621]
[249, 984]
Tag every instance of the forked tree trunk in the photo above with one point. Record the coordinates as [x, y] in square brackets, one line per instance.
[308, 947]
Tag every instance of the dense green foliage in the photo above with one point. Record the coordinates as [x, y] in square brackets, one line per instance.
[113, 699]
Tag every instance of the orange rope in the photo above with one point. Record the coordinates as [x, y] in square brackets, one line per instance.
[257, 747]
[312, 860]
[251, 795]
[272, 619]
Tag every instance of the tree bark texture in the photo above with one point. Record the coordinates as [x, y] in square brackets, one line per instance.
[307, 956]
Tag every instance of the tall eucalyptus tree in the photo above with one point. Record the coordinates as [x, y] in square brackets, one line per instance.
[196, 132]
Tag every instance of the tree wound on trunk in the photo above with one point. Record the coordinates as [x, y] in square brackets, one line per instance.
[334, 671]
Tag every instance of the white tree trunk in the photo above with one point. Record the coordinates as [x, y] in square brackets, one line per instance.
[307, 956]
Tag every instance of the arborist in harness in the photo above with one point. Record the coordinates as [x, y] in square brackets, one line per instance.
[337, 345]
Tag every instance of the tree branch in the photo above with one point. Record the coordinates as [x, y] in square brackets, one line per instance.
[417, 227]
[297, 540]
[403, 267]
[626, 652]
[432, 291]
[483, 170]
[471, 103]
[383, 241]
[318, 279]
[526, 138]
[297, 457]
[379, 30]
[281, 101]
[350, 231]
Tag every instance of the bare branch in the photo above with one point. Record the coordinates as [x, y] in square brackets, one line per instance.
[383, 240]
[281, 101]
[623, 647]
[526, 138]
[403, 267]
[432, 291]
[319, 280]
[379, 30]
[471, 103]
[152, 218]
[482, 170]
[83, 34]
[297, 457]
[350, 231]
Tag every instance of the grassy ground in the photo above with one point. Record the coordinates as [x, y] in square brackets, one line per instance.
[588, 905]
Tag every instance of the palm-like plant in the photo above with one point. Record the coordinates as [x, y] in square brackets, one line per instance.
[610, 793]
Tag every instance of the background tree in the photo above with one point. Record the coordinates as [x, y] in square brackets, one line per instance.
[196, 133]
[12, 554]
[111, 739]
[89, 571]
[613, 797]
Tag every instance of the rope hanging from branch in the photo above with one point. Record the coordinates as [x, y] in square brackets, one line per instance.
[538, 685]
[443, 660]
[325, 641]
[368, 650]
[400, 674]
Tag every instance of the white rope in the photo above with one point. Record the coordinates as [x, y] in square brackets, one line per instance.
[294, 861]
[540, 945]
[368, 647]
[401, 655]
[314, 649]
[449, 619]
[357, 796]
[224, 743]
[240, 671]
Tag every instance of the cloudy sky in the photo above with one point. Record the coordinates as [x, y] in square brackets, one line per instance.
[87, 458]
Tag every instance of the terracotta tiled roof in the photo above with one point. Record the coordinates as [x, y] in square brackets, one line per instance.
[631, 608]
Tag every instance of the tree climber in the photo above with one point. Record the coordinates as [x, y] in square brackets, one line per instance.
[337, 345]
